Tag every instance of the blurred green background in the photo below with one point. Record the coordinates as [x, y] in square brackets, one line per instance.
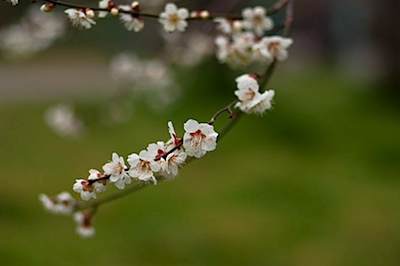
[313, 182]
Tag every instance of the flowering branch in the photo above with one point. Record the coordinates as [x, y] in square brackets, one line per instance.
[243, 40]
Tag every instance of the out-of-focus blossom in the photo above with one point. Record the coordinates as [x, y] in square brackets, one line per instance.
[173, 18]
[79, 19]
[35, 32]
[223, 25]
[62, 119]
[62, 203]
[255, 19]
[104, 4]
[237, 53]
[13, 2]
[274, 47]
[84, 226]
[131, 22]
[150, 78]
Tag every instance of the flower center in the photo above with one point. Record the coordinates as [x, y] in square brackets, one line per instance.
[197, 138]
[144, 165]
[118, 168]
[174, 17]
[273, 47]
[249, 94]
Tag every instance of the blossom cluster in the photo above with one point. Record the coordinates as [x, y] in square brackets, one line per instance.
[32, 34]
[65, 204]
[172, 18]
[251, 101]
[242, 42]
[158, 160]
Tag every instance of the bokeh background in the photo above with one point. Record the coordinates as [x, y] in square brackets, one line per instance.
[316, 181]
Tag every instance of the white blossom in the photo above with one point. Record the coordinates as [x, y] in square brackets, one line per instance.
[262, 102]
[199, 138]
[101, 184]
[116, 170]
[250, 100]
[84, 227]
[85, 189]
[169, 164]
[172, 163]
[239, 52]
[63, 203]
[173, 18]
[130, 22]
[13, 2]
[174, 140]
[35, 32]
[79, 19]
[143, 166]
[223, 47]
[62, 119]
[105, 4]
[223, 25]
[256, 19]
[274, 47]
[126, 68]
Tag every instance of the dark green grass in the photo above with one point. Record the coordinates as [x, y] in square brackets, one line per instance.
[314, 182]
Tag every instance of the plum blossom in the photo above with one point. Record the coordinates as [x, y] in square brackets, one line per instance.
[101, 184]
[173, 18]
[238, 52]
[116, 170]
[223, 25]
[13, 2]
[84, 227]
[250, 100]
[143, 166]
[169, 164]
[85, 188]
[256, 19]
[62, 203]
[88, 188]
[61, 118]
[79, 19]
[131, 23]
[199, 138]
[175, 140]
[105, 4]
[33, 33]
[274, 47]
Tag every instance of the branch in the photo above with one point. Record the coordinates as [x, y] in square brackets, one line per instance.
[233, 116]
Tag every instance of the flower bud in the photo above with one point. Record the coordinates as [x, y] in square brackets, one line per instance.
[114, 11]
[135, 5]
[237, 25]
[195, 14]
[46, 8]
[204, 14]
[89, 13]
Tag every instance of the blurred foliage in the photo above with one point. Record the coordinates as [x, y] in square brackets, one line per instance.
[313, 182]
